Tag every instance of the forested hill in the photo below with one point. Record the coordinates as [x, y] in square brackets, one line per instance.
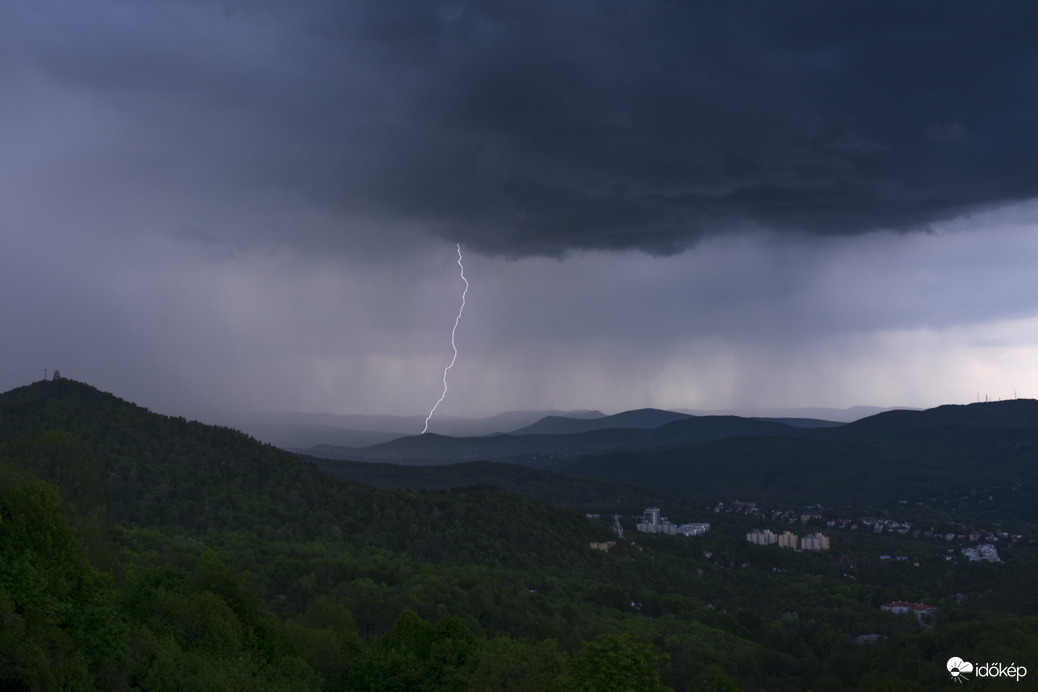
[163, 471]
[997, 428]
[157, 553]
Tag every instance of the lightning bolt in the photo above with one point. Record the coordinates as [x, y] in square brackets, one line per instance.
[453, 345]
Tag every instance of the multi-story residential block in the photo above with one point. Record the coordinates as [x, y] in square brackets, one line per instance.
[814, 541]
[765, 537]
[652, 522]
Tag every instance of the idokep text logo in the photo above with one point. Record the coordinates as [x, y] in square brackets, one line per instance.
[961, 671]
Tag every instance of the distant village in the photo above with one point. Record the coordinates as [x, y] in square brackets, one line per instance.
[651, 521]
[984, 551]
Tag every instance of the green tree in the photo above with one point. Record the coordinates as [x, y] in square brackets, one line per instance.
[58, 623]
[713, 679]
[512, 665]
[615, 663]
[325, 635]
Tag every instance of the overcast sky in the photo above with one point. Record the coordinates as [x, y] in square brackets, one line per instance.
[209, 207]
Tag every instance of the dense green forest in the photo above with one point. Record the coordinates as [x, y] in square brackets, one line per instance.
[140, 551]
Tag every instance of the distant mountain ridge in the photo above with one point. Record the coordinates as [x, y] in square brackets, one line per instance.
[982, 453]
[982, 456]
[836, 415]
[303, 430]
[643, 418]
[546, 449]
[978, 458]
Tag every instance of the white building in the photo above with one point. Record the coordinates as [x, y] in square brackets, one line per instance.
[814, 541]
[765, 537]
[652, 522]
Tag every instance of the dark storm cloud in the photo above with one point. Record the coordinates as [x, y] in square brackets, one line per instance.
[537, 127]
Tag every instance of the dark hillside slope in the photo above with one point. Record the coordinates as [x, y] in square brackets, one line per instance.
[167, 472]
[580, 494]
[794, 470]
[993, 429]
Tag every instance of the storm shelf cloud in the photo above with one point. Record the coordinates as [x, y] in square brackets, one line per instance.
[262, 200]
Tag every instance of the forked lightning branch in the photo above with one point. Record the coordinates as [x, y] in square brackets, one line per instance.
[454, 346]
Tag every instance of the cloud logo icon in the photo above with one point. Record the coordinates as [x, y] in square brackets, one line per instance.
[958, 668]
